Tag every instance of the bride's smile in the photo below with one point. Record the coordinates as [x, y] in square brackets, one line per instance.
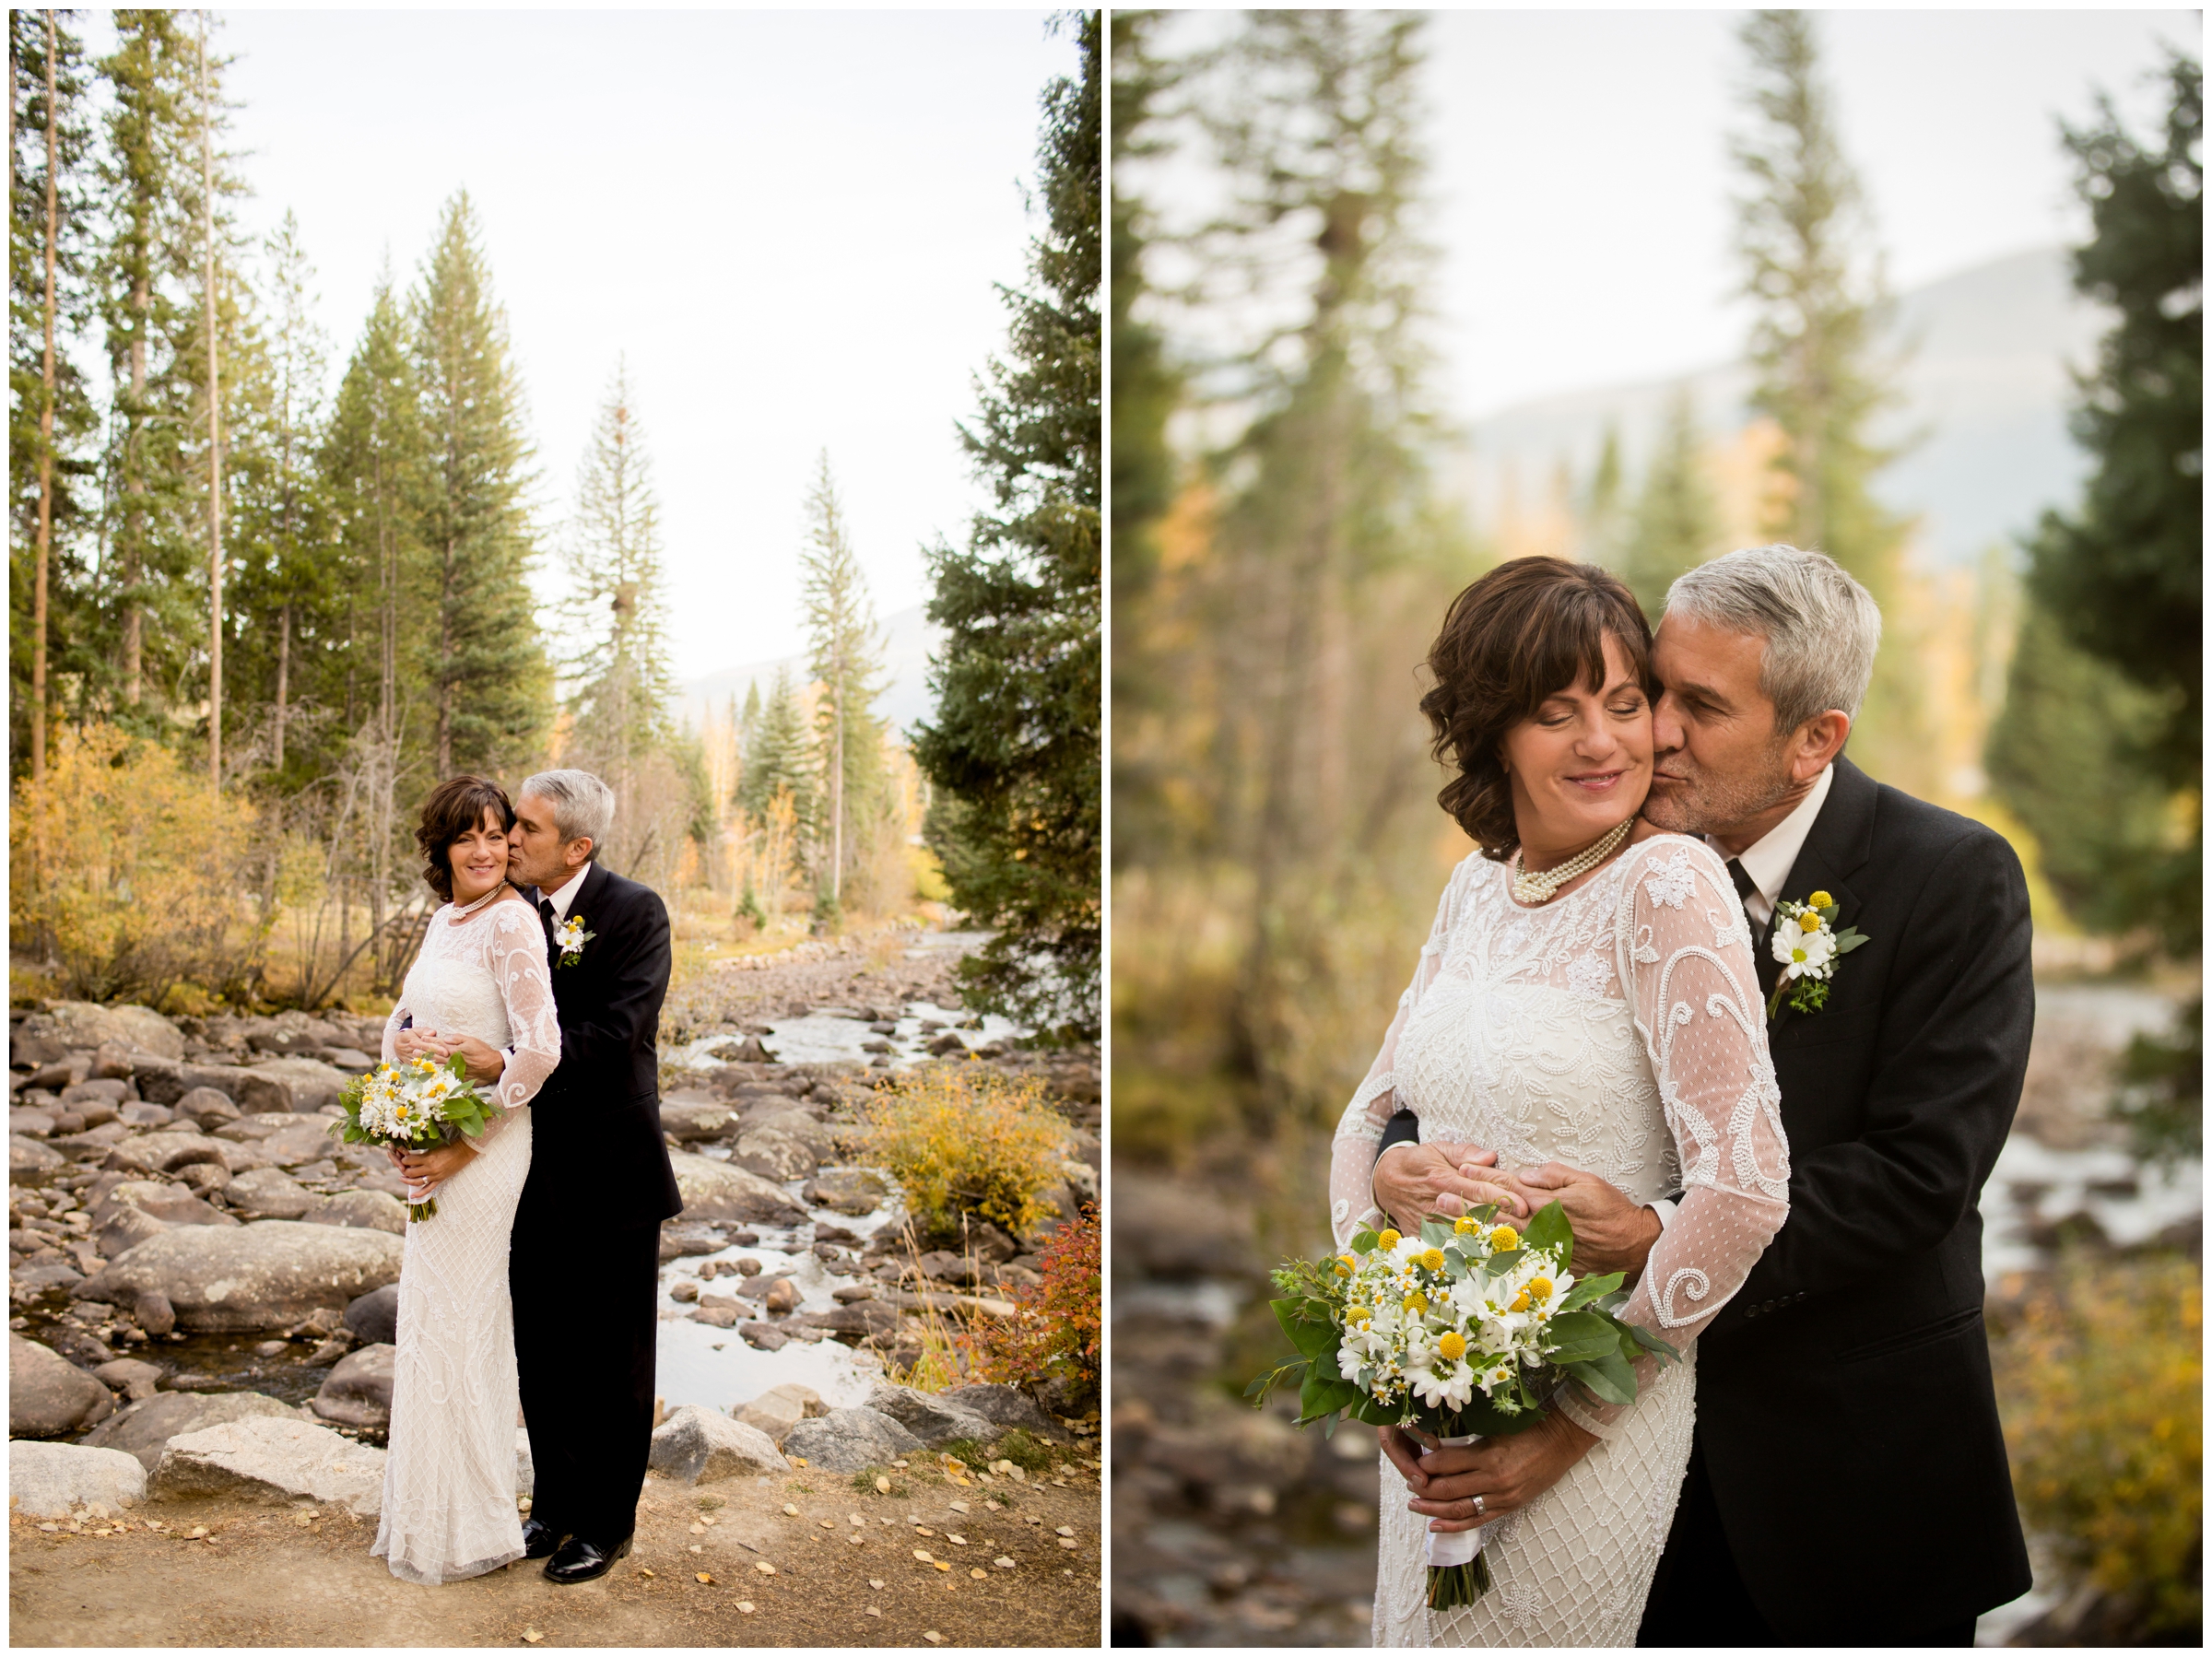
[1582, 764]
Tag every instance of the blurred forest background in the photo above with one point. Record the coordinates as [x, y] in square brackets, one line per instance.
[257, 609]
[1292, 509]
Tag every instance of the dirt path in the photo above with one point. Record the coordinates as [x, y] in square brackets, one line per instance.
[264, 1577]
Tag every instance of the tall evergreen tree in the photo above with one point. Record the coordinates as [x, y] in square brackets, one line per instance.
[845, 655]
[1675, 523]
[1015, 736]
[50, 410]
[778, 751]
[489, 670]
[1805, 240]
[616, 611]
[145, 275]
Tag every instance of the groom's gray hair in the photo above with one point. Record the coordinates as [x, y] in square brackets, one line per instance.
[1821, 628]
[584, 807]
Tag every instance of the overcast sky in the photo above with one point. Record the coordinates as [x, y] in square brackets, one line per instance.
[1581, 184]
[789, 222]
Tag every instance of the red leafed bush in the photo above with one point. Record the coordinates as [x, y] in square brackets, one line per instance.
[1051, 1343]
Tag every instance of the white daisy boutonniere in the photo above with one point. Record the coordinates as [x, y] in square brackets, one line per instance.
[569, 937]
[1808, 945]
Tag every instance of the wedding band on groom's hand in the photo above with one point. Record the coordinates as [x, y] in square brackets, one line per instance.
[1477, 1504]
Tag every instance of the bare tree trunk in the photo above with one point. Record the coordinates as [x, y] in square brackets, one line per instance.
[134, 486]
[284, 656]
[38, 590]
[214, 435]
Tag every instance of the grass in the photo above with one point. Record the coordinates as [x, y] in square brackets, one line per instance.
[1025, 1450]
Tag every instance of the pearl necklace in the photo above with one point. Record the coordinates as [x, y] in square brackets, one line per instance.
[463, 914]
[1541, 887]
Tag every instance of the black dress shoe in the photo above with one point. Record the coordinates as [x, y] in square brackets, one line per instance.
[581, 1561]
[538, 1540]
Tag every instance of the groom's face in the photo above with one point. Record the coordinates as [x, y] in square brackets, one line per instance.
[1719, 762]
[535, 851]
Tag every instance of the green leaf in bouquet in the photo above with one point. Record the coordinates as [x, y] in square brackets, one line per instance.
[1323, 1395]
[1579, 1335]
[1587, 1289]
[1436, 1230]
[1314, 1338]
[1375, 1413]
[1501, 1263]
[1455, 1264]
[1608, 1376]
[1364, 1240]
[1849, 939]
[1480, 1414]
[1612, 1301]
[1652, 1342]
[1549, 1229]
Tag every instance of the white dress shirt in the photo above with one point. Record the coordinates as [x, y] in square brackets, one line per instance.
[1769, 859]
[567, 894]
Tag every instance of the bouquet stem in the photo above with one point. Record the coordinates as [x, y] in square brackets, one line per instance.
[1451, 1586]
[422, 1210]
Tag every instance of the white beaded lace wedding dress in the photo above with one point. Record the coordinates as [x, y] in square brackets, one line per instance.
[1619, 1029]
[449, 1479]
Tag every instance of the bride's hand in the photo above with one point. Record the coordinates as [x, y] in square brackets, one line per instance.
[1414, 1180]
[426, 1171]
[418, 1043]
[1506, 1473]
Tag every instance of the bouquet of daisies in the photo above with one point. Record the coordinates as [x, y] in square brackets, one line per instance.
[417, 1105]
[1459, 1333]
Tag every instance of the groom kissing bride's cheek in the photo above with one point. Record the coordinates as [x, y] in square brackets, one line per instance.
[1760, 1032]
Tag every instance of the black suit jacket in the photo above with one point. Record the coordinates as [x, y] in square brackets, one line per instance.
[596, 1153]
[1845, 1408]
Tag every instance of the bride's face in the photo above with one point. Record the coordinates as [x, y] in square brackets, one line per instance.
[1582, 763]
[478, 858]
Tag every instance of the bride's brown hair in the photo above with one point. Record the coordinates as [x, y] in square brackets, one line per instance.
[1527, 631]
[456, 806]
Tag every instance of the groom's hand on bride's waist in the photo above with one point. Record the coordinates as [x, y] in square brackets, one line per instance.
[1507, 1473]
[1413, 1180]
[484, 1063]
[1613, 1232]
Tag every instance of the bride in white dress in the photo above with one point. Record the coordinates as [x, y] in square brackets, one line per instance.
[480, 986]
[1608, 1017]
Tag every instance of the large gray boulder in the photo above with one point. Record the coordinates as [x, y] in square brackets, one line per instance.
[848, 1440]
[853, 1191]
[307, 1139]
[268, 1275]
[49, 1481]
[780, 1409]
[685, 1117]
[264, 1458]
[800, 1124]
[31, 1162]
[165, 1153]
[168, 1085]
[257, 1126]
[47, 1394]
[774, 1154]
[358, 1389]
[308, 1084]
[930, 1419]
[716, 1190]
[269, 1194]
[374, 1317]
[135, 1210]
[1004, 1408]
[699, 1446]
[84, 1024]
[145, 1429]
[374, 1210]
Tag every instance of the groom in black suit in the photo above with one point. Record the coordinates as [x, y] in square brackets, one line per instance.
[1848, 1482]
[585, 1263]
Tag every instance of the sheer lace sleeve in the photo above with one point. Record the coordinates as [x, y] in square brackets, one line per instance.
[516, 948]
[1352, 1156]
[1684, 951]
[392, 1026]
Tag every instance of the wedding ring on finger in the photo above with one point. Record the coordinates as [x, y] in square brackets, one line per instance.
[1478, 1506]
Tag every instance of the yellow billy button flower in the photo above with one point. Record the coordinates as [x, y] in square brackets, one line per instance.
[1539, 1289]
[1389, 1240]
[1416, 1303]
[1433, 1259]
[1520, 1302]
[1820, 900]
[1357, 1314]
[1345, 1265]
[1808, 921]
[1453, 1347]
[1463, 1226]
[1503, 1237]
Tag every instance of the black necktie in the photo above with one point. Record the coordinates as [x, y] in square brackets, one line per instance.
[1745, 886]
[552, 921]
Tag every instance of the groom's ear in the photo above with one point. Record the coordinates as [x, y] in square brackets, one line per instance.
[1819, 740]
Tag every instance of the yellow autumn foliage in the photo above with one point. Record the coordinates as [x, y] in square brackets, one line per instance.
[128, 876]
[964, 1138]
[2101, 1384]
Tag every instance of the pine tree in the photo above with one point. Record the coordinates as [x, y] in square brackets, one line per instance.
[777, 784]
[1603, 525]
[845, 655]
[616, 613]
[1015, 736]
[1801, 231]
[488, 666]
[1675, 523]
[51, 408]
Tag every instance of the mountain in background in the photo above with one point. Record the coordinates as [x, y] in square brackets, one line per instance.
[1985, 386]
[908, 640]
